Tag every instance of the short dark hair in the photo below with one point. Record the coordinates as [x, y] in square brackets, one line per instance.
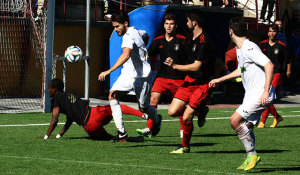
[120, 17]
[57, 84]
[275, 27]
[196, 15]
[238, 26]
[169, 16]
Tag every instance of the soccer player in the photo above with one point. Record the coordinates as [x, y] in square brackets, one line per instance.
[167, 80]
[191, 98]
[256, 71]
[92, 119]
[277, 52]
[135, 74]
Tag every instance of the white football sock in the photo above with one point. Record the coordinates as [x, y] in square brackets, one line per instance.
[117, 114]
[244, 134]
[152, 114]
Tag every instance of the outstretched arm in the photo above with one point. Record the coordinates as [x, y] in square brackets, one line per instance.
[232, 75]
[54, 121]
[65, 128]
[121, 60]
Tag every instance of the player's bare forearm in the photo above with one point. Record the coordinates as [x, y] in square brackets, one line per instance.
[54, 121]
[269, 67]
[236, 73]
[66, 127]
[121, 60]
[288, 70]
[184, 68]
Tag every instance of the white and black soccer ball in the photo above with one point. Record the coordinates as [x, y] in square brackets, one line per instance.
[73, 54]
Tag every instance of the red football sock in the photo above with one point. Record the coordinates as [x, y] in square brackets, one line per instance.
[273, 111]
[187, 133]
[265, 115]
[129, 110]
[181, 122]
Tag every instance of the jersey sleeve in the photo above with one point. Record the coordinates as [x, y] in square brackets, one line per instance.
[153, 49]
[128, 41]
[256, 55]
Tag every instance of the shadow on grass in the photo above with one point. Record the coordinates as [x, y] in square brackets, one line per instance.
[130, 139]
[276, 169]
[288, 126]
[174, 145]
[214, 135]
[240, 151]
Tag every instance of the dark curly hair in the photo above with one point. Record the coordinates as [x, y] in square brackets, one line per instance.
[57, 84]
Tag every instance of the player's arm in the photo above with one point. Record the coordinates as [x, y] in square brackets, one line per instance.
[65, 128]
[121, 60]
[269, 67]
[185, 68]
[54, 121]
[236, 73]
[288, 70]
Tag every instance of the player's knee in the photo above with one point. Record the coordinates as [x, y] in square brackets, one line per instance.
[172, 113]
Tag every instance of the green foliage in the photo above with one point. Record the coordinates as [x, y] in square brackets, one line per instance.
[215, 148]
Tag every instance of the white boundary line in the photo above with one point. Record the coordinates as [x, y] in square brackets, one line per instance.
[140, 121]
[113, 164]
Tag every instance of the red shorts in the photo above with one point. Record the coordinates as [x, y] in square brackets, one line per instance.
[195, 92]
[100, 116]
[163, 85]
[276, 82]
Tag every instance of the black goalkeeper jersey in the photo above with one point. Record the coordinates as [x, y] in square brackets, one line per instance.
[71, 105]
[173, 49]
[277, 54]
[201, 49]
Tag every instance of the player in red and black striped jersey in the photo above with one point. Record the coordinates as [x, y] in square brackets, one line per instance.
[167, 80]
[193, 95]
[92, 119]
[277, 52]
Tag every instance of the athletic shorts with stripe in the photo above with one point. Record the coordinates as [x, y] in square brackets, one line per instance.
[195, 92]
[164, 85]
[100, 116]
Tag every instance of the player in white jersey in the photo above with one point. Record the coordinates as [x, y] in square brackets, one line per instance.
[135, 74]
[257, 72]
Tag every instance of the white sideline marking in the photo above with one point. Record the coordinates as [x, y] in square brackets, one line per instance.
[295, 111]
[114, 164]
[139, 121]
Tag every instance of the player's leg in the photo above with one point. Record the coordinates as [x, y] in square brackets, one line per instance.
[120, 87]
[188, 128]
[276, 82]
[142, 89]
[245, 133]
[131, 111]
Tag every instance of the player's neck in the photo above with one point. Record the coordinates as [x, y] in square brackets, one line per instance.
[272, 41]
[197, 32]
[239, 41]
[169, 36]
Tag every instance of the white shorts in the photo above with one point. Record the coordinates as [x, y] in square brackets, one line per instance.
[251, 109]
[141, 86]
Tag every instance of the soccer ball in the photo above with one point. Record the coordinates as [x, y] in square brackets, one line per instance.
[73, 54]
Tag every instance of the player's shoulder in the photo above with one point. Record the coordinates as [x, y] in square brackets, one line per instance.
[249, 46]
[281, 43]
[159, 37]
[180, 36]
[264, 42]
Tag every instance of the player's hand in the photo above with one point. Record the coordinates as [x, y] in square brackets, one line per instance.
[213, 83]
[169, 62]
[102, 75]
[264, 99]
[288, 75]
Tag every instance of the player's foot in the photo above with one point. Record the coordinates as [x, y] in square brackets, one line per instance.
[144, 132]
[120, 137]
[261, 125]
[181, 150]
[156, 127]
[276, 121]
[202, 116]
[253, 161]
[181, 133]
